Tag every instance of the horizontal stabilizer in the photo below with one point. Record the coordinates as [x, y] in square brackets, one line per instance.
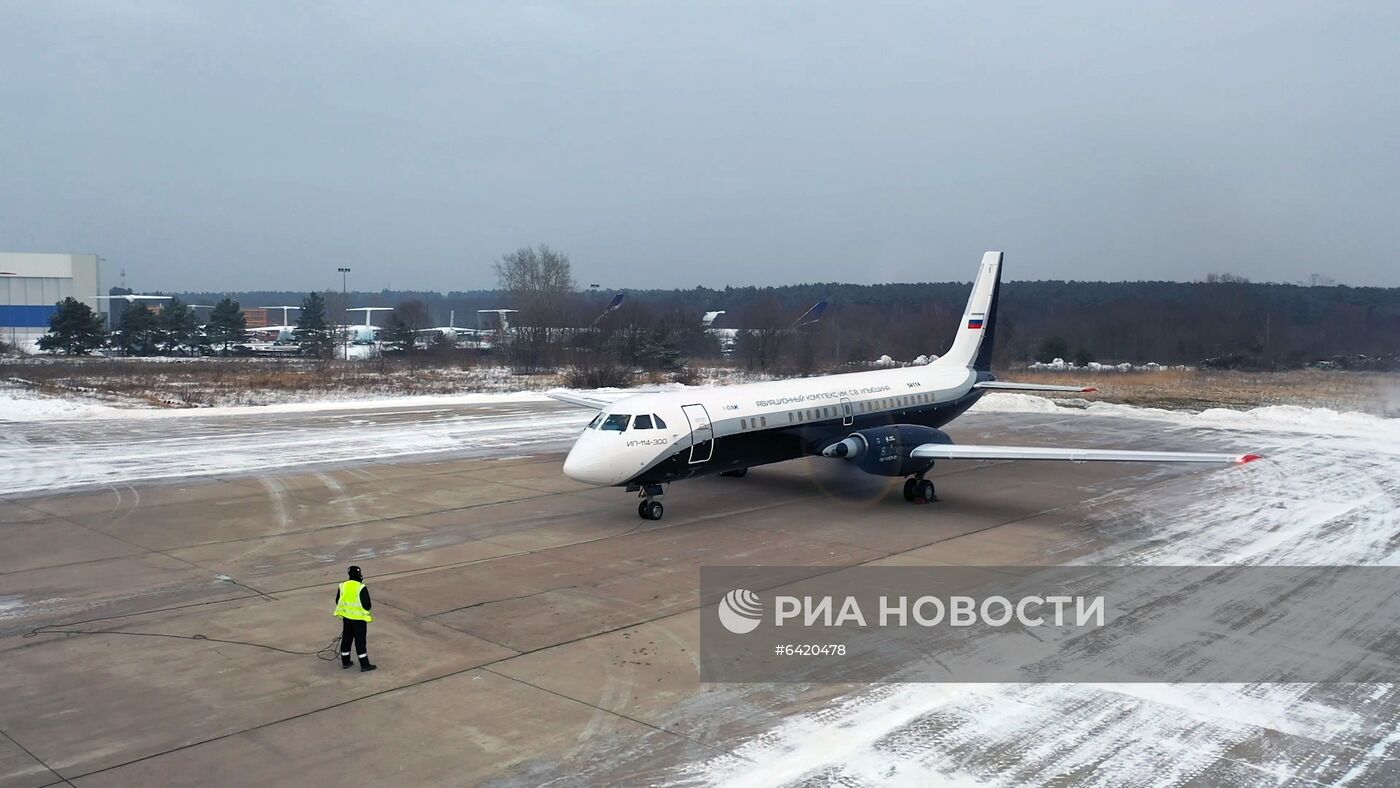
[941, 451]
[998, 385]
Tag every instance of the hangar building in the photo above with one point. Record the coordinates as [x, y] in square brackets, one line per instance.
[32, 283]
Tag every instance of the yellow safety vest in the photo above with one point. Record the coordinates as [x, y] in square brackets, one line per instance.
[349, 604]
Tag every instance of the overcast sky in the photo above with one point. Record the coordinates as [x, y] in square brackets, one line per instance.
[259, 145]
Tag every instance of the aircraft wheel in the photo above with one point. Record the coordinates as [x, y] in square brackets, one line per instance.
[909, 488]
[925, 491]
[642, 510]
[652, 510]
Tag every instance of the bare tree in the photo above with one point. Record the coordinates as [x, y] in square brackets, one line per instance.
[413, 312]
[539, 281]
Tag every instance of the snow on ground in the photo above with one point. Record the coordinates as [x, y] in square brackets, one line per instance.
[113, 446]
[19, 405]
[1327, 494]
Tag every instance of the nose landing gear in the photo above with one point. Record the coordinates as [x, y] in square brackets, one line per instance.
[649, 508]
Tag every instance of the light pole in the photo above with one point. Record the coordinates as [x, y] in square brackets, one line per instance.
[344, 299]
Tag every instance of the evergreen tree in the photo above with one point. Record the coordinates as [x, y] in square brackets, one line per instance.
[140, 331]
[227, 324]
[1051, 349]
[398, 336]
[74, 329]
[313, 333]
[179, 327]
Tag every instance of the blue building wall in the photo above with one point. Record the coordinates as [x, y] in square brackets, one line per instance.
[26, 316]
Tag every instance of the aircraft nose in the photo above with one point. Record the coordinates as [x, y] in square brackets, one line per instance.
[587, 466]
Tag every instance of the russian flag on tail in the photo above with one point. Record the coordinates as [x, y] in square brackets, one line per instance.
[974, 321]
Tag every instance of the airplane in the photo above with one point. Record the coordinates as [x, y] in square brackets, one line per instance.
[133, 297]
[365, 334]
[613, 306]
[886, 422]
[728, 337]
[450, 332]
[502, 322]
[282, 334]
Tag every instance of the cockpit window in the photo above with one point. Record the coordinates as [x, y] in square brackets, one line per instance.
[593, 425]
[642, 422]
[617, 422]
[660, 425]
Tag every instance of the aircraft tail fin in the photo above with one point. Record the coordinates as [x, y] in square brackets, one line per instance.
[972, 347]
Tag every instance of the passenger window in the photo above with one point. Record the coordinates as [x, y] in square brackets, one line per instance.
[642, 422]
[660, 425]
[743, 424]
[616, 422]
[763, 420]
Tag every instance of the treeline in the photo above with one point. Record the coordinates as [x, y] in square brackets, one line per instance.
[1243, 324]
[176, 330]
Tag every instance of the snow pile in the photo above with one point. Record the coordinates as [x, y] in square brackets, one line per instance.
[1269, 418]
[1060, 365]
[1015, 403]
[918, 361]
[19, 405]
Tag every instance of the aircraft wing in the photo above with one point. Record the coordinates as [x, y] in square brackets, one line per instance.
[999, 385]
[941, 451]
[594, 400]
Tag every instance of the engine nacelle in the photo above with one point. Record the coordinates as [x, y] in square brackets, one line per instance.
[884, 451]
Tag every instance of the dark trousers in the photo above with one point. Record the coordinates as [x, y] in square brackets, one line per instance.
[356, 632]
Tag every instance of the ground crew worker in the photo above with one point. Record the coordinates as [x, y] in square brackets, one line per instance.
[352, 608]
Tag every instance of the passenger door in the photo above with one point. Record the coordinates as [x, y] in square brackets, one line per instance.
[702, 433]
[847, 415]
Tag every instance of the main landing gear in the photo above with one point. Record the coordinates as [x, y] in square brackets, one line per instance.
[649, 508]
[917, 489]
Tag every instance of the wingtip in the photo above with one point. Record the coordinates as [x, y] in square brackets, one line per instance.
[1249, 458]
